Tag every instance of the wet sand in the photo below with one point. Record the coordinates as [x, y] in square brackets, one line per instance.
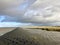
[21, 36]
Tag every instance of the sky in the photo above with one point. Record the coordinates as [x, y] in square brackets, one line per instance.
[30, 12]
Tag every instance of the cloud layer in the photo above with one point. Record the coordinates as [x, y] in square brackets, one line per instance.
[37, 12]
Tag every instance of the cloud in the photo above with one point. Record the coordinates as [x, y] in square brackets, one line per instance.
[14, 7]
[44, 13]
[37, 12]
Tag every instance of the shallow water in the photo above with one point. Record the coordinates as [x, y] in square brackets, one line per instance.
[5, 30]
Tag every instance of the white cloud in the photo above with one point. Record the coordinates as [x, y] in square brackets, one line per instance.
[47, 11]
[44, 12]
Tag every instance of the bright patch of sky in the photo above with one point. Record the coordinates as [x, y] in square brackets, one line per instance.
[13, 24]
